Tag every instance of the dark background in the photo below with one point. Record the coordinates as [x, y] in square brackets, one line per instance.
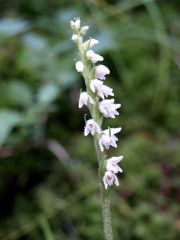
[48, 169]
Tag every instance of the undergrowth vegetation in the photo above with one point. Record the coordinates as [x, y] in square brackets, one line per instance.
[48, 169]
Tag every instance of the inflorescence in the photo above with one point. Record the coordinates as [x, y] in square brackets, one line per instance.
[95, 98]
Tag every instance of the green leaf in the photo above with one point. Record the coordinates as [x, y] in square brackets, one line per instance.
[48, 93]
[8, 120]
[18, 93]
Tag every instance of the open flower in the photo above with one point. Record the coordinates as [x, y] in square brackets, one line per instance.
[84, 99]
[93, 57]
[110, 179]
[112, 164]
[91, 127]
[101, 89]
[108, 108]
[101, 71]
[108, 138]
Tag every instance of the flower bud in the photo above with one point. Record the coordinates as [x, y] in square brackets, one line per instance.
[75, 38]
[75, 24]
[79, 66]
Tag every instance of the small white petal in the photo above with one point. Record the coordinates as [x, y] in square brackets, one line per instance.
[105, 182]
[86, 131]
[72, 24]
[90, 43]
[79, 66]
[84, 30]
[101, 145]
[77, 23]
[116, 181]
[112, 131]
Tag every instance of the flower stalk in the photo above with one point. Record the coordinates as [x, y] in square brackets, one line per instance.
[95, 98]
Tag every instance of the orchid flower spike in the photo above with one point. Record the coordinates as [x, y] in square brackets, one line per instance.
[95, 97]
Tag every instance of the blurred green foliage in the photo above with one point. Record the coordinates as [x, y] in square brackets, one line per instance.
[48, 170]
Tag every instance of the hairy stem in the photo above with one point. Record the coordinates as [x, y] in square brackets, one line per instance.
[88, 74]
[105, 195]
[106, 212]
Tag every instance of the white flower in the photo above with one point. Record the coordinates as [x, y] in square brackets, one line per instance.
[109, 179]
[90, 43]
[102, 90]
[75, 38]
[101, 71]
[79, 66]
[75, 24]
[108, 108]
[91, 127]
[112, 164]
[84, 99]
[84, 30]
[93, 57]
[108, 138]
[95, 85]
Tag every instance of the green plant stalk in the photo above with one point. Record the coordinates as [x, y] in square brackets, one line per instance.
[104, 193]
[88, 74]
[106, 212]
